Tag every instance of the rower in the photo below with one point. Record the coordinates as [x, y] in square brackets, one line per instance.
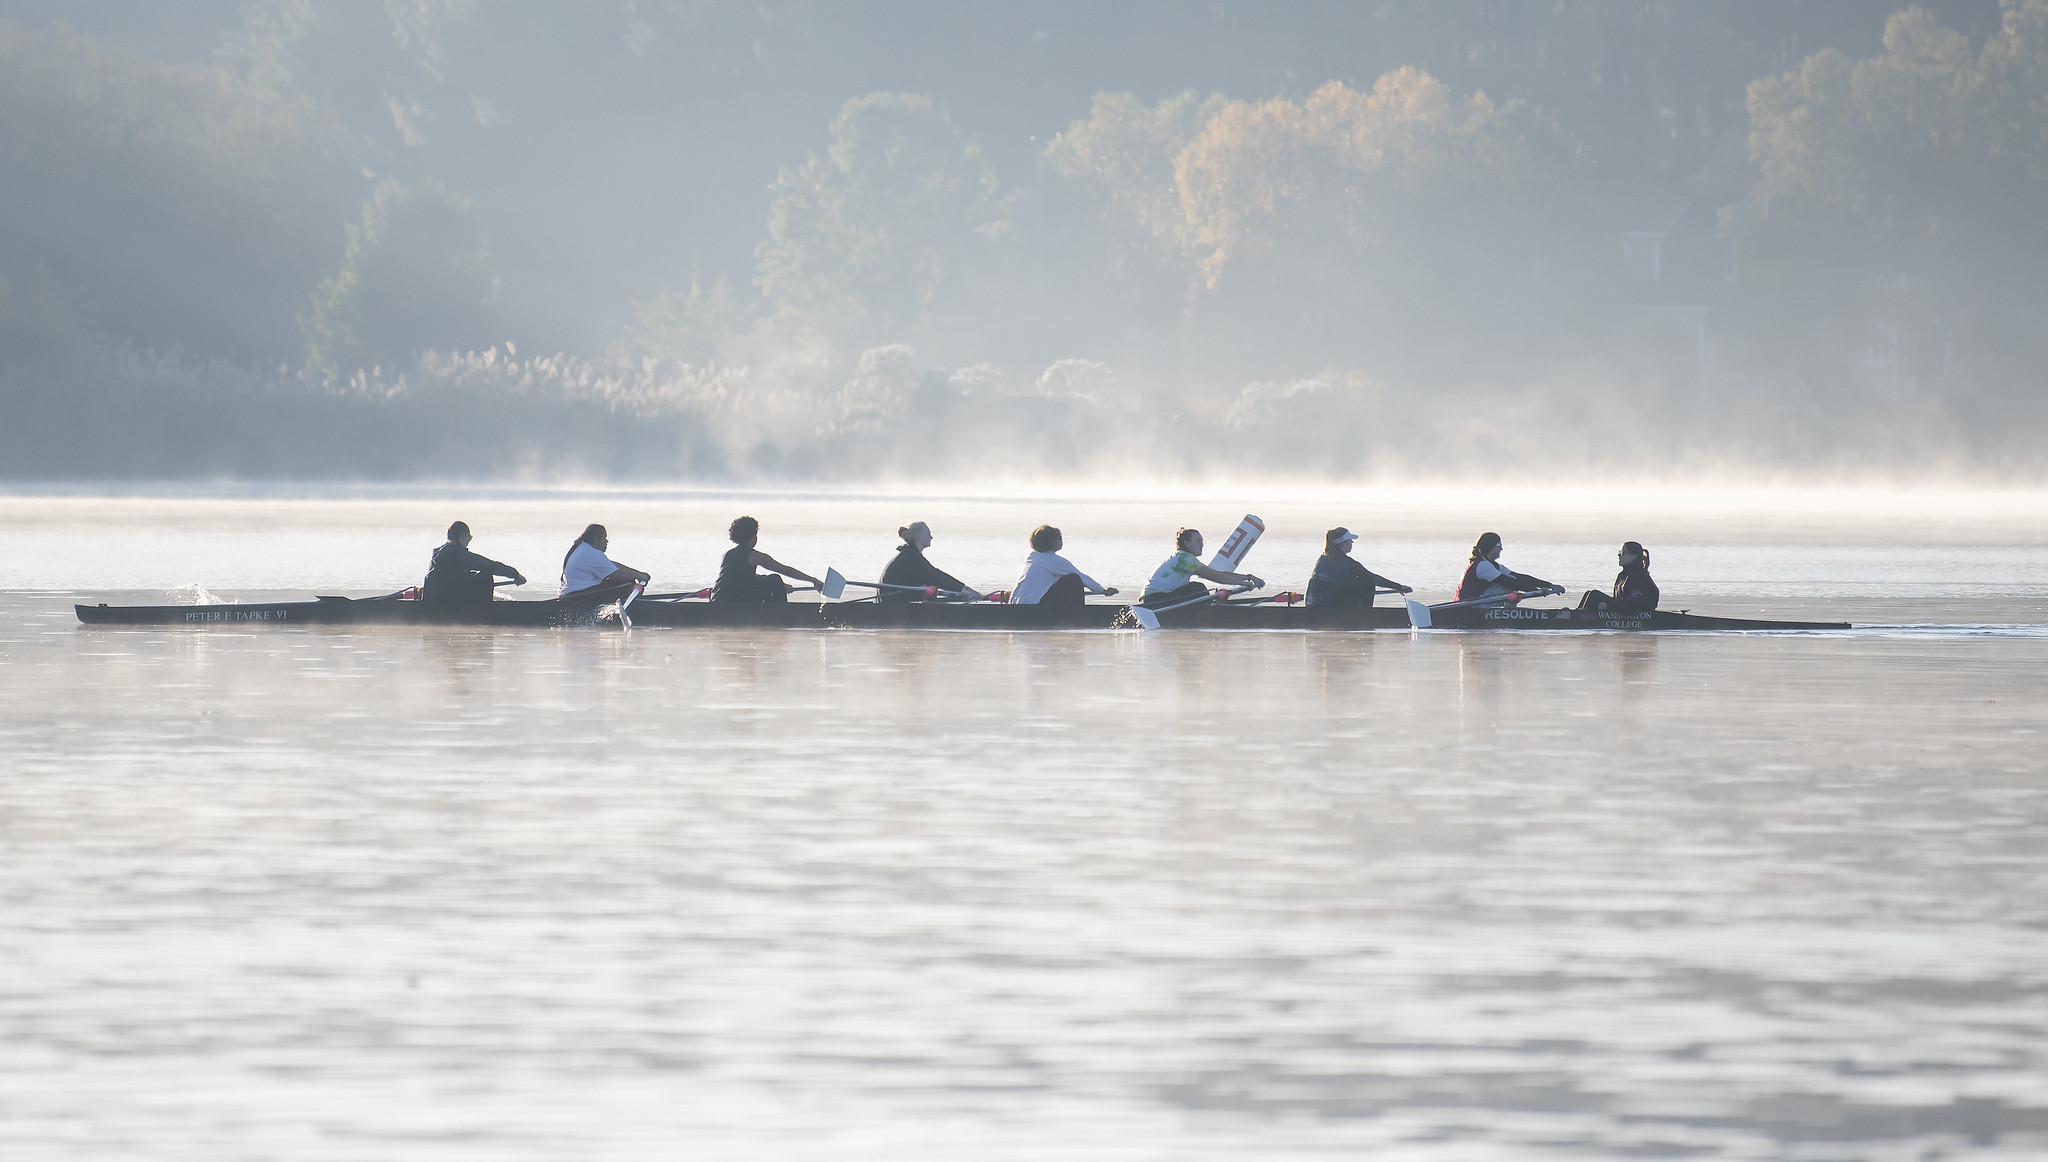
[737, 581]
[1342, 582]
[1634, 590]
[1174, 581]
[1486, 578]
[585, 565]
[456, 574]
[909, 568]
[1050, 579]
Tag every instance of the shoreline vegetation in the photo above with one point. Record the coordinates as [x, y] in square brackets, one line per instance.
[495, 417]
[1824, 258]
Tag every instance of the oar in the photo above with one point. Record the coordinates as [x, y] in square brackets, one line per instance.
[700, 595]
[835, 586]
[1419, 614]
[624, 621]
[1288, 598]
[1149, 618]
[414, 589]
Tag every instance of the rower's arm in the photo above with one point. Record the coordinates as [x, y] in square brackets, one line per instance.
[774, 566]
[500, 569]
[1379, 582]
[944, 580]
[1222, 578]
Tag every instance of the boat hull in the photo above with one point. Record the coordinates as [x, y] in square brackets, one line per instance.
[1522, 617]
[573, 610]
[981, 616]
[716, 615]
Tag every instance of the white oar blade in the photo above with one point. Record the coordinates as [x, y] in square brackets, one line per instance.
[1146, 618]
[834, 586]
[1238, 545]
[1418, 614]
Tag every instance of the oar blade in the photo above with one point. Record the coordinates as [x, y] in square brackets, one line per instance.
[834, 586]
[1418, 614]
[1146, 618]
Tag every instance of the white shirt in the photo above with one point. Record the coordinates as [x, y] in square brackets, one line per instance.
[1040, 571]
[587, 566]
[1490, 575]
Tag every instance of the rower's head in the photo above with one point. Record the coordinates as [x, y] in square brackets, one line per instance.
[1046, 539]
[1189, 541]
[916, 534]
[1338, 540]
[1633, 552]
[459, 533]
[1487, 547]
[745, 531]
[594, 536]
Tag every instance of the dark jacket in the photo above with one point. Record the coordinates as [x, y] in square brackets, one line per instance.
[1340, 580]
[909, 567]
[1634, 591]
[456, 574]
[737, 580]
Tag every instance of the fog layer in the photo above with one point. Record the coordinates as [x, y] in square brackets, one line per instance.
[445, 239]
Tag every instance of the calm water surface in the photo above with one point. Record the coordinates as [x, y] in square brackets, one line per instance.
[472, 894]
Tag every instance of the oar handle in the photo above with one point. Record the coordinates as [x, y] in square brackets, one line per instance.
[927, 590]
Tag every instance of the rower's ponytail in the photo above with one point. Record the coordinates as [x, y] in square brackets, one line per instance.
[591, 535]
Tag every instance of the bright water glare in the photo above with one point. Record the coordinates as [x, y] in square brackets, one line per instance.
[468, 894]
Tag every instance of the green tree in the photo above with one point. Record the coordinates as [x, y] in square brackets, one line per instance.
[1896, 206]
[1348, 225]
[1124, 152]
[171, 204]
[863, 237]
[415, 274]
[685, 326]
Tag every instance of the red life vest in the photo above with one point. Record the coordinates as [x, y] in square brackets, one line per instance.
[1470, 586]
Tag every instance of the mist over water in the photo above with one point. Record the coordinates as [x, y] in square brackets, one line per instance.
[286, 286]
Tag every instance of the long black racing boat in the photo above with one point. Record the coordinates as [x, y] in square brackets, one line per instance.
[1502, 615]
[978, 615]
[596, 607]
[599, 607]
[393, 609]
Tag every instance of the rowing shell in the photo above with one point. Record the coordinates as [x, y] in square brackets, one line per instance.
[574, 609]
[940, 615]
[650, 612]
[1499, 617]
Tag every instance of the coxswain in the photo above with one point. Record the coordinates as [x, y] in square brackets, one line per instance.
[456, 574]
[909, 568]
[1486, 578]
[1340, 580]
[1050, 579]
[585, 566]
[737, 581]
[1634, 589]
[1174, 581]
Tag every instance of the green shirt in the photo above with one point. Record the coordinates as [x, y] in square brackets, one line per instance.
[1175, 572]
